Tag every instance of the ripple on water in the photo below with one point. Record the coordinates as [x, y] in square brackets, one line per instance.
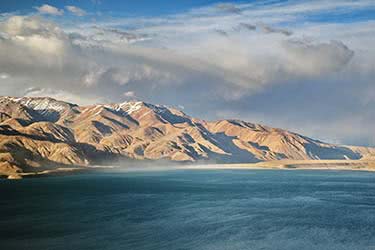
[195, 209]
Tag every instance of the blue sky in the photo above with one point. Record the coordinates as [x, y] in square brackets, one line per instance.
[140, 7]
[127, 7]
[307, 66]
[149, 8]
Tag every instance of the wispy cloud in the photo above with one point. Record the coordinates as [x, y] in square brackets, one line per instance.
[75, 10]
[120, 34]
[50, 10]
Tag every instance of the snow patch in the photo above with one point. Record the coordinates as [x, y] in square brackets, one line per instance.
[129, 107]
[43, 104]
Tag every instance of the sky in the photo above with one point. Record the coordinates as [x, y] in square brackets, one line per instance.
[306, 66]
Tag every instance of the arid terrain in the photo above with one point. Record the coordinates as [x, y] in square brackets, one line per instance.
[44, 135]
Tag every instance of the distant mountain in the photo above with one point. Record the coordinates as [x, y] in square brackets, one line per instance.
[43, 133]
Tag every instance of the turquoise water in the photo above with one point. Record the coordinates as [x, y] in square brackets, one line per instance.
[190, 209]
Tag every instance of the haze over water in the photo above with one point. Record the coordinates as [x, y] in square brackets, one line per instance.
[190, 209]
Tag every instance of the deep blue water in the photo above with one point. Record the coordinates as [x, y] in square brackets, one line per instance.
[190, 209]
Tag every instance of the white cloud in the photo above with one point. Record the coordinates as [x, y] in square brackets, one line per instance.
[75, 10]
[93, 76]
[129, 94]
[38, 53]
[4, 76]
[50, 10]
[63, 96]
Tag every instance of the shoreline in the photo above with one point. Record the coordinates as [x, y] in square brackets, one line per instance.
[338, 165]
[344, 165]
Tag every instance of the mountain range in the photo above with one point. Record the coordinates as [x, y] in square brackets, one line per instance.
[41, 133]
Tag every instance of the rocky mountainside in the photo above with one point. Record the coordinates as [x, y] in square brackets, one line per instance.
[37, 134]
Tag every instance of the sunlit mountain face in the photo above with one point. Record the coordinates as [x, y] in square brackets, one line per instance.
[306, 66]
[42, 134]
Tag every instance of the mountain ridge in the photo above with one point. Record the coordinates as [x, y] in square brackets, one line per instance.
[42, 133]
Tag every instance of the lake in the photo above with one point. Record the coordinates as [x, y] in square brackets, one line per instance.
[190, 209]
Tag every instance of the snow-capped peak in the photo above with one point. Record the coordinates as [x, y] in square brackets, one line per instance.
[129, 107]
[41, 104]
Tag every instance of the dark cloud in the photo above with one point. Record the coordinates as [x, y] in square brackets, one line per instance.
[262, 27]
[123, 35]
[269, 29]
[317, 58]
[221, 32]
[245, 26]
[228, 7]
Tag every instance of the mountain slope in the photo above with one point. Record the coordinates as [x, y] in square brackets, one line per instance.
[44, 133]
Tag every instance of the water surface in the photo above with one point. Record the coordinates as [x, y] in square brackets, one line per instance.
[190, 209]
